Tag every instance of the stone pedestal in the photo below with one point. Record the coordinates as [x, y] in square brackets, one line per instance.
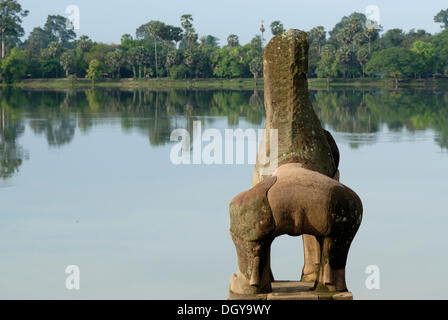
[292, 290]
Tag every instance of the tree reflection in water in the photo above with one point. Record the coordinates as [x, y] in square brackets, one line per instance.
[56, 115]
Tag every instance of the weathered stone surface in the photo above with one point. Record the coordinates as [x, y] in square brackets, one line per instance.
[300, 201]
[252, 227]
[293, 296]
[303, 197]
[289, 109]
[242, 293]
[292, 290]
[307, 202]
[343, 296]
[291, 286]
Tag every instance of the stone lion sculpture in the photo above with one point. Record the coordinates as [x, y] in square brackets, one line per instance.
[303, 197]
[294, 201]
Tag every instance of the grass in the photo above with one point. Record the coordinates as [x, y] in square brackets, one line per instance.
[229, 84]
[162, 83]
[379, 83]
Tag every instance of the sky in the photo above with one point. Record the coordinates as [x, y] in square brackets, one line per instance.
[108, 20]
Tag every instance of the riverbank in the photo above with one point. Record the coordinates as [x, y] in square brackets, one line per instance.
[126, 84]
[229, 84]
[430, 83]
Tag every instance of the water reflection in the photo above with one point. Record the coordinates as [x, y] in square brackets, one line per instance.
[11, 153]
[57, 115]
[365, 112]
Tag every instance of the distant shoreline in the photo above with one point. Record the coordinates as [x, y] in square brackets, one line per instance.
[230, 84]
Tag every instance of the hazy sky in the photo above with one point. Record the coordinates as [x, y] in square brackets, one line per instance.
[107, 20]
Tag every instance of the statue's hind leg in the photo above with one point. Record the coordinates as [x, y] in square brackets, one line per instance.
[311, 247]
[271, 275]
[324, 280]
[346, 212]
[338, 254]
[331, 275]
[326, 277]
[312, 252]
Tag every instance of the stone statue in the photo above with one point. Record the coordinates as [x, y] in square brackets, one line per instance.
[303, 196]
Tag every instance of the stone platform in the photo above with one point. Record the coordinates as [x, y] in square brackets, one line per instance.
[292, 290]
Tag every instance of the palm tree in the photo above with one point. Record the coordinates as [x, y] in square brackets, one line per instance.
[84, 44]
[67, 61]
[156, 29]
[190, 35]
[115, 60]
[132, 58]
[277, 27]
[256, 67]
[343, 57]
[233, 40]
[363, 58]
[320, 35]
[370, 34]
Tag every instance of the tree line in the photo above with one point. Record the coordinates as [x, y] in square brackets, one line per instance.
[354, 48]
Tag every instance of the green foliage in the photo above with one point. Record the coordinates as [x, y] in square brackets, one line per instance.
[393, 38]
[127, 42]
[352, 49]
[137, 57]
[327, 66]
[413, 35]
[277, 27]
[51, 69]
[440, 42]
[13, 68]
[11, 15]
[98, 51]
[393, 62]
[68, 61]
[179, 72]
[53, 51]
[229, 62]
[316, 37]
[56, 27]
[190, 36]
[256, 67]
[209, 41]
[442, 17]
[233, 40]
[160, 31]
[115, 60]
[84, 44]
[363, 57]
[426, 58]
[95, 70]
[37, 41]
[344, 56]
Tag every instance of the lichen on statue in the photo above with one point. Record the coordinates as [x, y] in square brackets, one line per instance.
[304, 196]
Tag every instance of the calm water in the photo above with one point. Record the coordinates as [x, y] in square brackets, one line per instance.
[86, 180]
